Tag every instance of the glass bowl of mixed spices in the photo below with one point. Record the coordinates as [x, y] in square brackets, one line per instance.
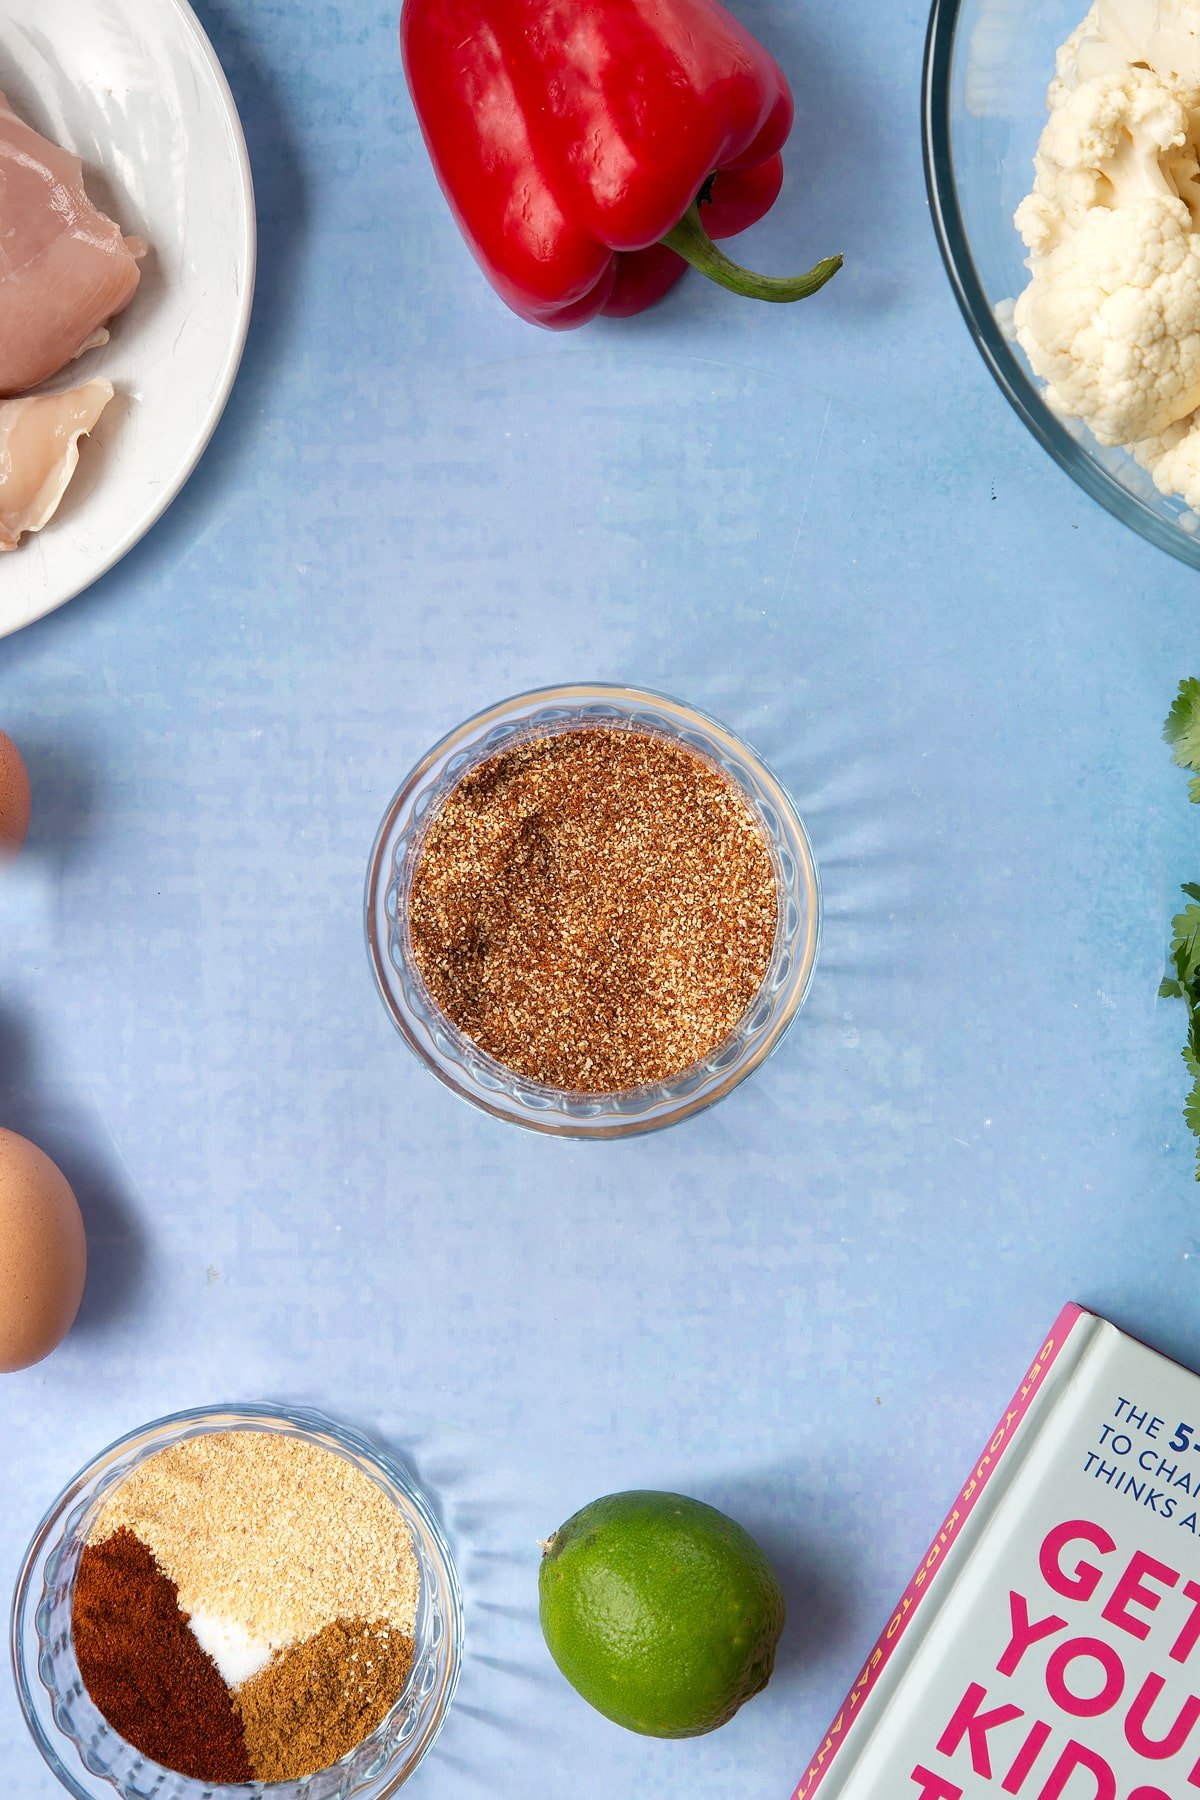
[592, 910]
[238, 1601]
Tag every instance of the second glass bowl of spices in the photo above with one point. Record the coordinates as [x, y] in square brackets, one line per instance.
[592, 911]
[237, 1601]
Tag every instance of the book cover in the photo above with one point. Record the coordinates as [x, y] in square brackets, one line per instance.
[1047, 1645]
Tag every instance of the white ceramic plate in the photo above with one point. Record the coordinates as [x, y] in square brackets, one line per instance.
[135, 89]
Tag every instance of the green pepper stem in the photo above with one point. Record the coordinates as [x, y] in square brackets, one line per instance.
[690, 240]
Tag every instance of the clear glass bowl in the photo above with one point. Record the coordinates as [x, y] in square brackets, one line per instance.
[461, 1064]
[87, 1755]
[988, 64]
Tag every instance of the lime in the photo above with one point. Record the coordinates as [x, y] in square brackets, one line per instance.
[662, 1612]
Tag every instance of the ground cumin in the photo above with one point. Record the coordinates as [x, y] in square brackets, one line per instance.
[595, 908]
[144, 1669]
[317, 1701]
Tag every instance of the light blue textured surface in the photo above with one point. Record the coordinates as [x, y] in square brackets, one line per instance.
[823, 526]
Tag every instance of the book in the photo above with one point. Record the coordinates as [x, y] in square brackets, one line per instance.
[1048, 1644]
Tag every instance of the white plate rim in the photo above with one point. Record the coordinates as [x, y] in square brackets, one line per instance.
[42, 605]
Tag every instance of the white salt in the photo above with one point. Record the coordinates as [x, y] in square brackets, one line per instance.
[237, 1654]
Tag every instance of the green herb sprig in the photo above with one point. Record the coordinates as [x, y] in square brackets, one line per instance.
[1182, 732]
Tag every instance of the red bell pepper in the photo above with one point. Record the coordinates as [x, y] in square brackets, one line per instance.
[579, 142]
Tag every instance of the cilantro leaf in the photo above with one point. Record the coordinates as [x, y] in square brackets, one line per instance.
[1182, 729]
[1182, 982]
[1182, 979]
[1191, 1111]
[1185, 944]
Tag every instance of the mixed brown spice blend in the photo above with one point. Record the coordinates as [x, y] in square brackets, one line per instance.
[245, 1607]
[595, 908]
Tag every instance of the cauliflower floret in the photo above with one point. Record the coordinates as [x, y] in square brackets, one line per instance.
[1107, 42]
[1173, 459]
[1074, 60]
[1165, 34]
[1112, 140]
[1161, 35]
[1111, 320]
[1111, 316]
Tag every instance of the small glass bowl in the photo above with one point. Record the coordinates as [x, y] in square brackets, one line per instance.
[470, 1071]
[91, 1760]
[988, 64]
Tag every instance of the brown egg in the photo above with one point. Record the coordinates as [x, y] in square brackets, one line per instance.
[43, 1254]
[14, 799]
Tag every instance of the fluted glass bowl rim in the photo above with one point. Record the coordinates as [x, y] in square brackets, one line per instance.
[438, 1635]
[461, 1065]
[1017, 386]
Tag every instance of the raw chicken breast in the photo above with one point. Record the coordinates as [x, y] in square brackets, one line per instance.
[39, 449]
[65, 269]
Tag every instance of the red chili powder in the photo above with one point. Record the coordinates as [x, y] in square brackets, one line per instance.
[144, 1668]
